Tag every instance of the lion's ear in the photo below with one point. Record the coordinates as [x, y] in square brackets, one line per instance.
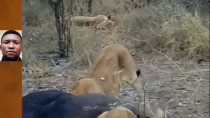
[138, 72]
[109, 17]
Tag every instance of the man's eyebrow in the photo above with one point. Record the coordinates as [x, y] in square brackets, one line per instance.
[11, 39]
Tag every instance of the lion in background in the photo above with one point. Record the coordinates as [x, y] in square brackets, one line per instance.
[99, 22]
[80, 21]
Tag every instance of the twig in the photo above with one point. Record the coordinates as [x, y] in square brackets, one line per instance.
[169, 59]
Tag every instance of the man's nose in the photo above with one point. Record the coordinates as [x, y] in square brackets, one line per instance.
[11, 45]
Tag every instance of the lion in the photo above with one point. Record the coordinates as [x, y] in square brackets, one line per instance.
[123, 112]
[115, 58]
[100, 18]
[113, 67]
[118, 112]
[104, 25]
[115, 19]
[80, 21]
[88, 85]
[107, 25]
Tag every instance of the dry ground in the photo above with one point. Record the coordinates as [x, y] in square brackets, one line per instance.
[166, 39]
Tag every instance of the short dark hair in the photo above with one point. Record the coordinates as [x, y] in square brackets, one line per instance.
[11, 32]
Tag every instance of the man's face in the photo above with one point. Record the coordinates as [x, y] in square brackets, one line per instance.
[11, 45]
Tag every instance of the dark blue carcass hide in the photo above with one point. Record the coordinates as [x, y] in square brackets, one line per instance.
[58, 104]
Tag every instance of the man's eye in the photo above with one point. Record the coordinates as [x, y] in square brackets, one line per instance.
[16, 42]
[6, 42]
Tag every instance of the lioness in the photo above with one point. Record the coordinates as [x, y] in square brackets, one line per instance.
[86, 20]
[114, 66]
[88, 85]
[123, 112]
[118, 112]
[115, 58]
[107, 25]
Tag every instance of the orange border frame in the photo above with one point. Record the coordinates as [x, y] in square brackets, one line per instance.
[11, 89]
[11, 72]
[11, 15]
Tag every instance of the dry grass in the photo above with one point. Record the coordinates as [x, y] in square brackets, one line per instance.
[165, 27]
[157, 34]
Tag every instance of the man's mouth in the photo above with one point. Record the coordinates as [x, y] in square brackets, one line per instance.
[10, 52]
